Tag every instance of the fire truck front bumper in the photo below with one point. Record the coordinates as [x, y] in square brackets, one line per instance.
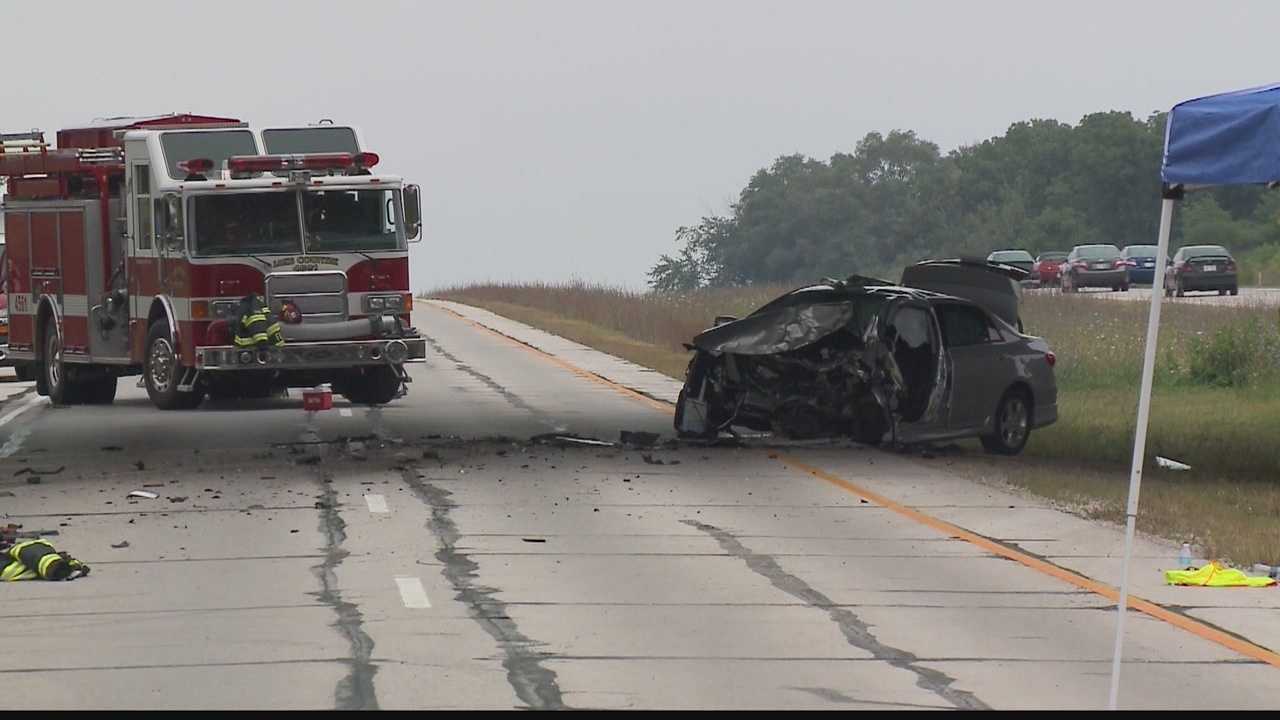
[314, 355]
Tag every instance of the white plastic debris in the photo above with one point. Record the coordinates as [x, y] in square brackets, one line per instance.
[144, 494]
[1171, 464]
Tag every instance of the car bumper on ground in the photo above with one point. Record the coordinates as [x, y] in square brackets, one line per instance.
[313, 355]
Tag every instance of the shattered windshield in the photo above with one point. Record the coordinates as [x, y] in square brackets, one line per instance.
[246, 223]
[352, 220]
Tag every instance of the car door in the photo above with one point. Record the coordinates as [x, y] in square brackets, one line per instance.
[972, 342]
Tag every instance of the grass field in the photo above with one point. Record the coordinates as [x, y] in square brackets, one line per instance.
[1227, 434]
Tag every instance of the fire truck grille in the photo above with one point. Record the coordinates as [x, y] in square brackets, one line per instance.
[321, 296]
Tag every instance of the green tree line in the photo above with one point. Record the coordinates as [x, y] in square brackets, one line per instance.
[896, 199]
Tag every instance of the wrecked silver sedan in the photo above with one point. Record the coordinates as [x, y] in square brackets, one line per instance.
[940, 356]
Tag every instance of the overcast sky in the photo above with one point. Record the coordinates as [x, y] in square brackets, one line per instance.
[557, 140]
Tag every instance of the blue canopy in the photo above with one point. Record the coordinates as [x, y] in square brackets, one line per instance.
[1227, 139]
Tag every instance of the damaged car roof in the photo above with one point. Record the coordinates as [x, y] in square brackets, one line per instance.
[807, 314]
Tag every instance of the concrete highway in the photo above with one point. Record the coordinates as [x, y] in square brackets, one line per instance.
[429, 554]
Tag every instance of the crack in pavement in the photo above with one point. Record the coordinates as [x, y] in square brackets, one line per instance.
[857, 632]
[534, 684]
[355, 691]
[512, 398]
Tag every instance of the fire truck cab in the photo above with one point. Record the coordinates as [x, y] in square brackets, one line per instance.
[137, 246]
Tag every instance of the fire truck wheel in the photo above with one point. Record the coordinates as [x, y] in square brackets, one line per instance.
[161, 371]
[377, 386]
[99, 392]
[60, 391]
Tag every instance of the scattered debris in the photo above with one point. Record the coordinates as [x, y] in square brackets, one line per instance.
[120, 545]
[146, 485]
[638, 439]
[140, 465]
[566, 440]
[143, 494]
[534, 540]
[111, 448]
[309, 460]
[178, 499]
[21, 472]
[1171, 464]
[6, 493]
[292, 531]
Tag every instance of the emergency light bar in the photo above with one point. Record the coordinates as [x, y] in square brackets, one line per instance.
[244, 165]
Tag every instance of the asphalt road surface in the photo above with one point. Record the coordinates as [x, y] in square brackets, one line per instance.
[430, 555]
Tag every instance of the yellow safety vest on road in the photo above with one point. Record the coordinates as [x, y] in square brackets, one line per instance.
[1215, 575]
[38, 560]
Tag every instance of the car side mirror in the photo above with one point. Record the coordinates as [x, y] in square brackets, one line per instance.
[412, 213]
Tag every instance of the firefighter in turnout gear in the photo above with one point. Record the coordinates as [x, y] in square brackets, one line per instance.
[256, 325]
[35, 560]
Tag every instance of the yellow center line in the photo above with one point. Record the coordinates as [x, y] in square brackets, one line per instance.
[1182, 622]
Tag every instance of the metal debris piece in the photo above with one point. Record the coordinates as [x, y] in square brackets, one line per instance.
[1171, 464]
[143, 494]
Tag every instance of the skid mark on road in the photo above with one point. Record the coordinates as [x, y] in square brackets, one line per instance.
[534, 684]
[857, 632]
[355, 691]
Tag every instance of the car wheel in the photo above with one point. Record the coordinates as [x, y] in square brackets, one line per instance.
[1124, 287]
[1013, 424]
[1180, 292]
[1235, 291]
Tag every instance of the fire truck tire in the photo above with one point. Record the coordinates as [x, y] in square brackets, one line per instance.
[161, 371]
[54, 372]
[99, 392]
[377, 386]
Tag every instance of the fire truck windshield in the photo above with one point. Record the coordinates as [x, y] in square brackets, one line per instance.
[340, 220]
[247, 223]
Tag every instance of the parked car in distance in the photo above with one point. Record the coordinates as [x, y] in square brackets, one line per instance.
[1201, 267]
[1094, 266]
[1048, 268]
[1017, 258]
[1141, 263]
[934, 357]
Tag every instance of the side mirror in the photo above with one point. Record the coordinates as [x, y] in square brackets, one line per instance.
[169, 222]
[412, 213]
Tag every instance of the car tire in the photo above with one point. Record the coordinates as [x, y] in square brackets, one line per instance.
[1180, 291]
[1235, 291]
[161, 371]
[1012, 424]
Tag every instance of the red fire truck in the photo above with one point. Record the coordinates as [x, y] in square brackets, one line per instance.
[131, 244]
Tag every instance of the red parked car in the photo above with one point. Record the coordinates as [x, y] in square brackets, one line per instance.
[1048, 268]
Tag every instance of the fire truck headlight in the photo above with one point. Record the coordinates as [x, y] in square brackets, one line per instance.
[222, 309]
[390, 303]
[376, 303]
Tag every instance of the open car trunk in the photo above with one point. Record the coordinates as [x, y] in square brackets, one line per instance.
[991, 285]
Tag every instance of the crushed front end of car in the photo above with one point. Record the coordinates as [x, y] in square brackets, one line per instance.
[824, 361]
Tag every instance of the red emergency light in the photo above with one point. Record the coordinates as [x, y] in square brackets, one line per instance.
[196, 167]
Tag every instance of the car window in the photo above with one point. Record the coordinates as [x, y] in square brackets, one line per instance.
[965, 325]
[1099, 252]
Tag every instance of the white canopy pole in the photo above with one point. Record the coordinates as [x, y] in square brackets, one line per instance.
[1140, 438]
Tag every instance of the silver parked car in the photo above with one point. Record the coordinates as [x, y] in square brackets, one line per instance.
[939, 356]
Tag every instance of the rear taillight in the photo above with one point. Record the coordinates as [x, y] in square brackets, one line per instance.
[1119, 263]
[1231, 266]
[1050, 358]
